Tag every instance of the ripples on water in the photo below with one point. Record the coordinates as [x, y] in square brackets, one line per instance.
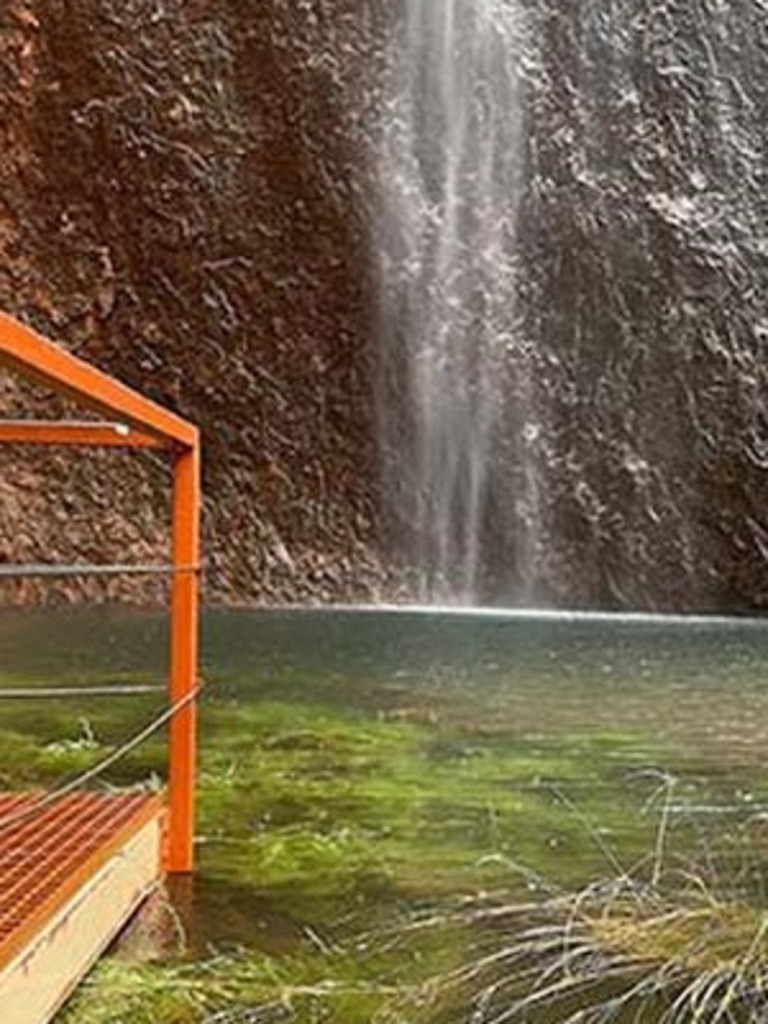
[479, 733]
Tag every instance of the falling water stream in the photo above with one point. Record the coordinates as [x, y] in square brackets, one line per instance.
[451, 180]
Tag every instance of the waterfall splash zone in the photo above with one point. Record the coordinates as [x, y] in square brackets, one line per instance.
[555, 616]
[451, 172]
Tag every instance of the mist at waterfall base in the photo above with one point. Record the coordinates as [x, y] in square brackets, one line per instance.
[572, 320]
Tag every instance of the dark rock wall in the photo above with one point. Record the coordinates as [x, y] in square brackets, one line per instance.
[186, 194]
[645, 226]
[184, 203]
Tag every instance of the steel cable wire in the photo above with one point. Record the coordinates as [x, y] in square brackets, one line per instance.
[56, 692]
[125, 748]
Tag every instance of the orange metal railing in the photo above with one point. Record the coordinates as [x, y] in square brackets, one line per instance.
[133, 422]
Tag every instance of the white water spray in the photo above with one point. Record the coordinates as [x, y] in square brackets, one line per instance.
[451, 177]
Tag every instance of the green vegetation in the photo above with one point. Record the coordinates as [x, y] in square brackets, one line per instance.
[396, 864]
[661, 946]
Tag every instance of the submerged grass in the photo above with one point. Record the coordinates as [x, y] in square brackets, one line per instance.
[241, 987]
[335, 841]
[619, 952]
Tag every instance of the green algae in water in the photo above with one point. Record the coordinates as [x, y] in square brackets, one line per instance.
[347, 788]
[320, 849]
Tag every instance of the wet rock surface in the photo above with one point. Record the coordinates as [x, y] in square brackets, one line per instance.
[188, 195]
[644, 227]
[183, 203]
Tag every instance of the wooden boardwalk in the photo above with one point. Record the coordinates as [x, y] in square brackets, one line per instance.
[72, 872]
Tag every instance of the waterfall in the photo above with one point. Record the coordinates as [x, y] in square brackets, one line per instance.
[573, 317]
[450, 168]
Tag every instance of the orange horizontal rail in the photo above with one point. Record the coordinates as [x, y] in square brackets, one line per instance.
[23, 350]
[100, 435]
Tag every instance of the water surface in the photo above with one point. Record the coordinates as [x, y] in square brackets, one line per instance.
[358, 765]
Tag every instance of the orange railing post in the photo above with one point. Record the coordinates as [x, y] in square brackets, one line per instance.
[183, 659]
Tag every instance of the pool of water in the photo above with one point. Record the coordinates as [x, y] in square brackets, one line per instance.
[359, 767]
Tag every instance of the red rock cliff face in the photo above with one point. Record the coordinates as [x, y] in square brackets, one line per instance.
[182, 202]
[187, 193]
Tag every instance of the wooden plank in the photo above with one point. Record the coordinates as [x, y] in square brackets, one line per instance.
[54, 947]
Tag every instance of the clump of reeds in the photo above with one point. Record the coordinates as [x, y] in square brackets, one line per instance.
[618, 952]
[667, 942]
